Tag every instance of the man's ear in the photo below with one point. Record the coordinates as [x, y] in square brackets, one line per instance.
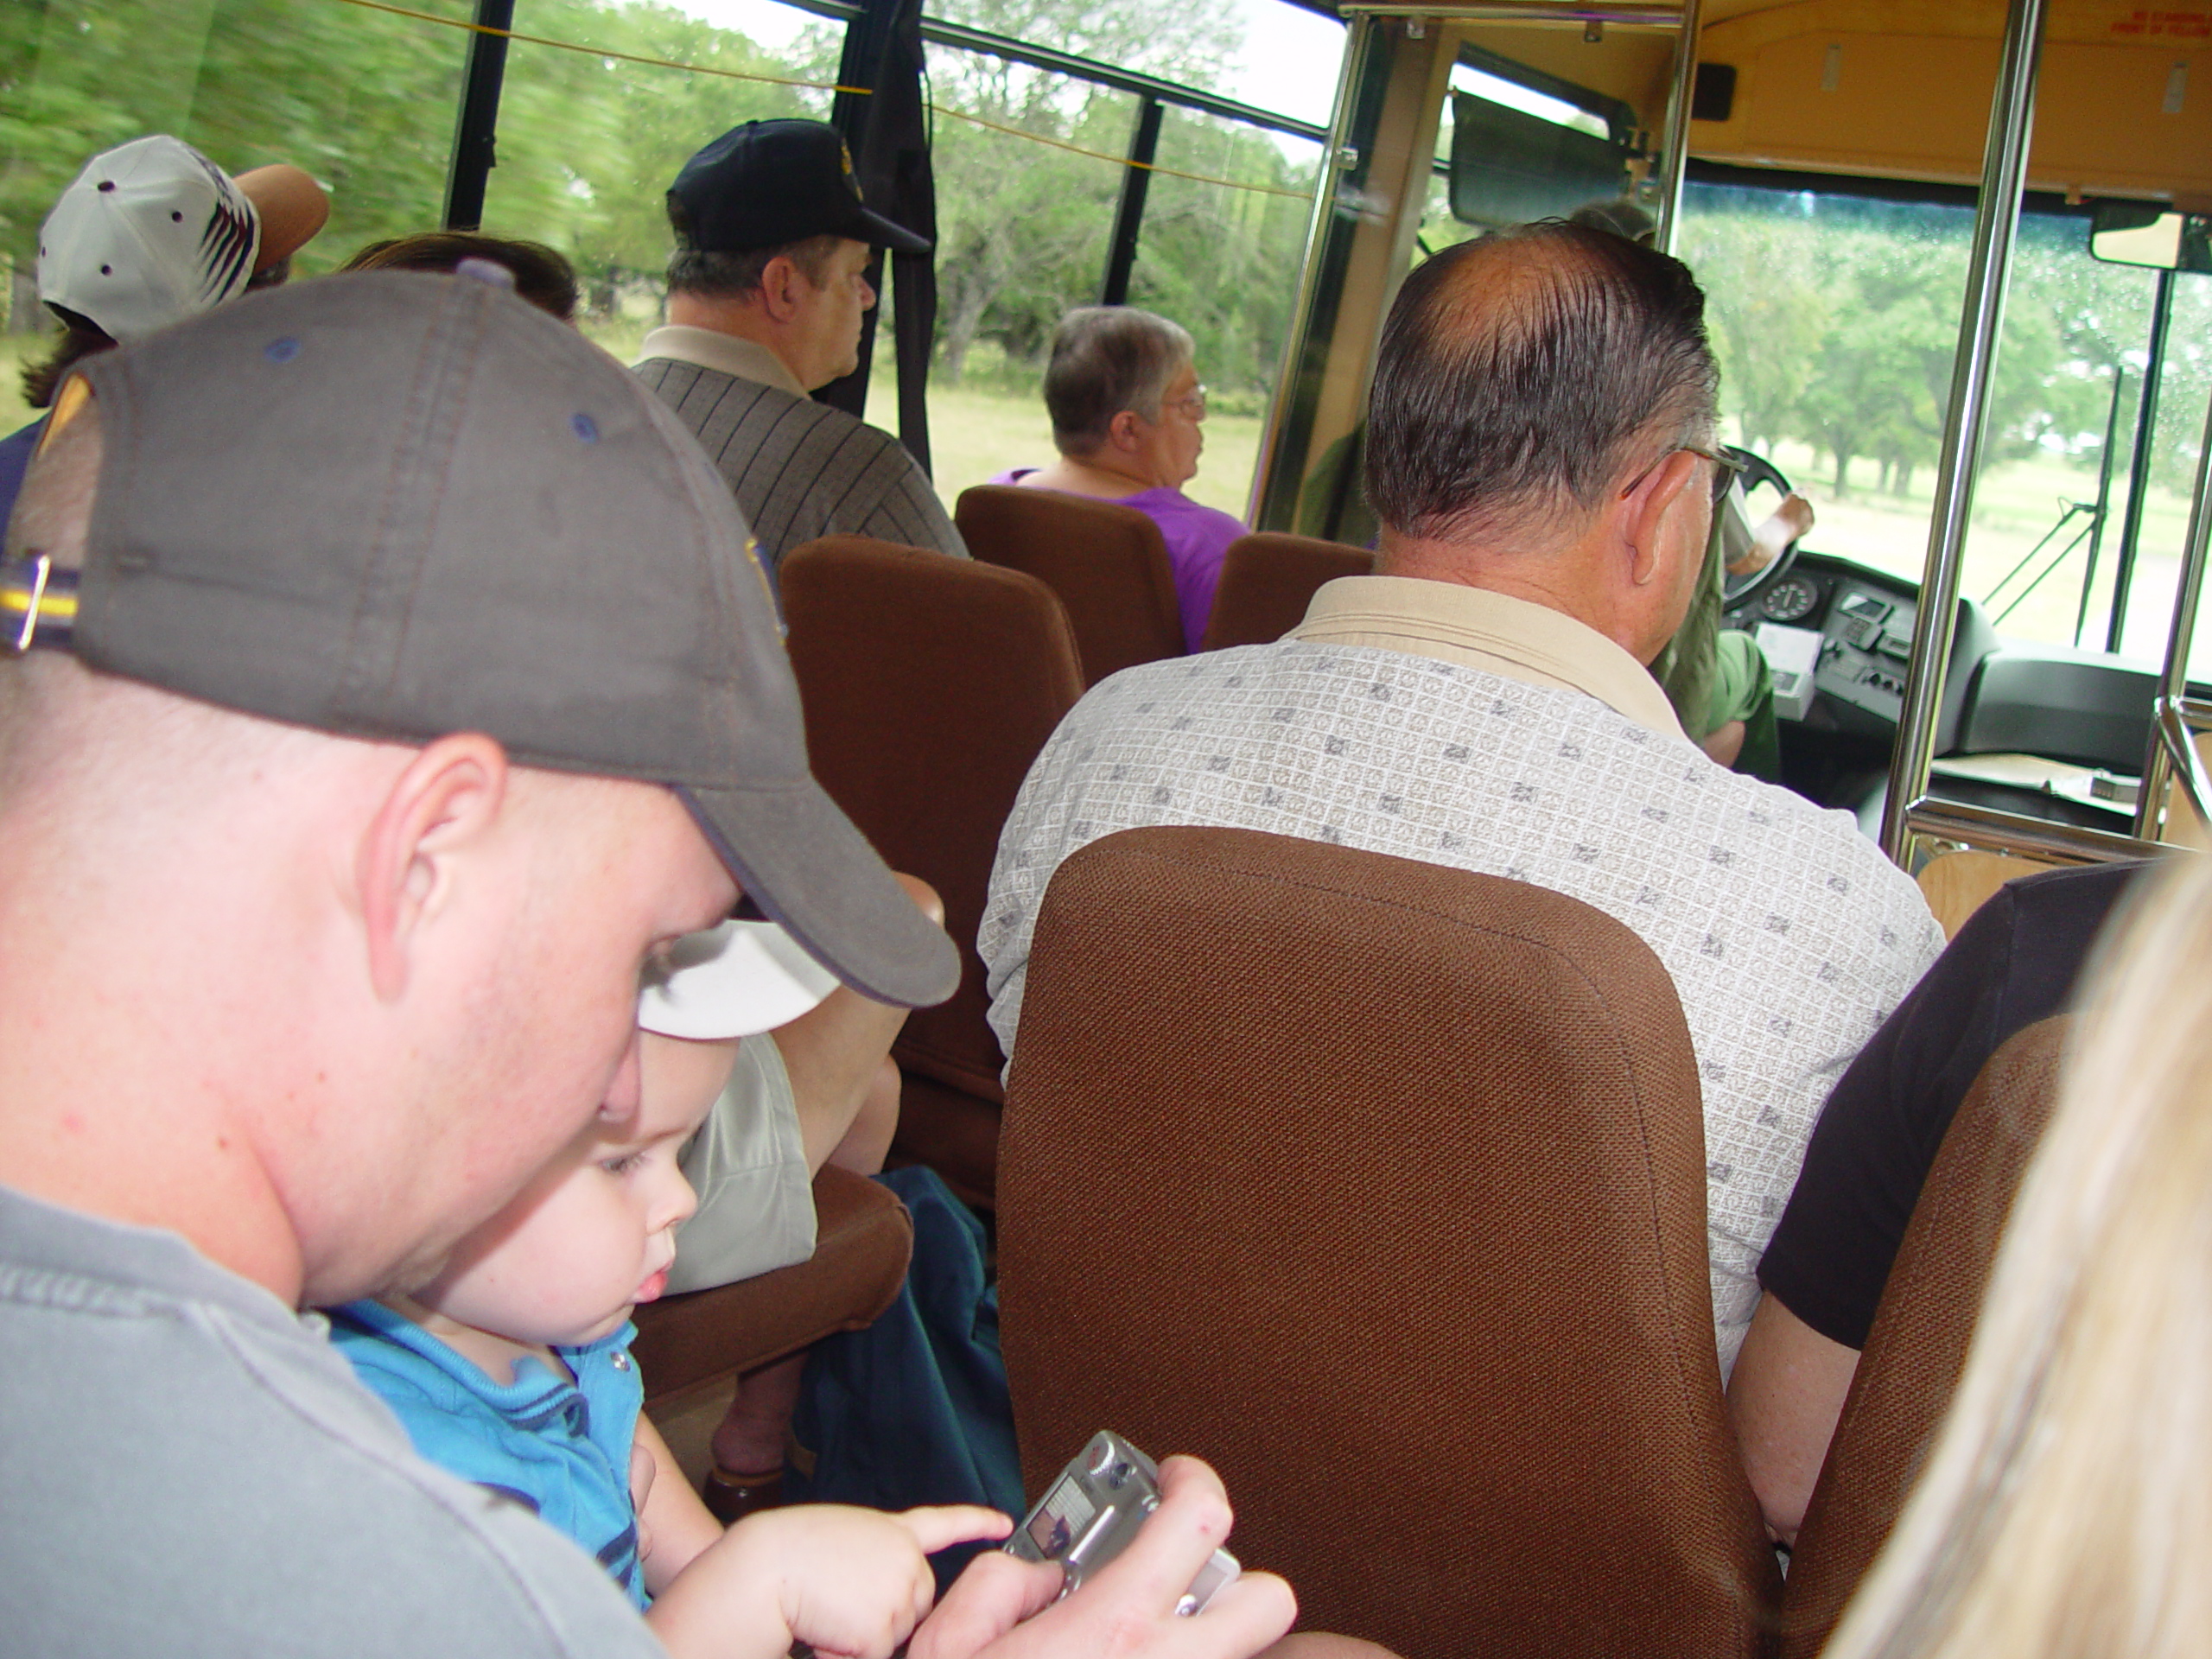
[1650, 511]
[1122, 431]
[446, 800]
[782, 287]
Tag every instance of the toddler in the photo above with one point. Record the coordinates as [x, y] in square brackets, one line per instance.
[511, 1367]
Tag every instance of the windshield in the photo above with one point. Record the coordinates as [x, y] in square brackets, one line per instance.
[1835, 318]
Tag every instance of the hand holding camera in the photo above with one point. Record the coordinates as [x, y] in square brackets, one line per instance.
[1091, 1513]
[1004, 1607]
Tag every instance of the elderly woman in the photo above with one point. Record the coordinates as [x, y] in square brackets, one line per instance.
[1126, 411]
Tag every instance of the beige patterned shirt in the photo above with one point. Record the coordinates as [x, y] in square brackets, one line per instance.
[1442, 722]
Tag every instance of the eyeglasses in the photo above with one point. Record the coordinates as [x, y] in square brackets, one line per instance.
[1724, 469]
[1193, 403]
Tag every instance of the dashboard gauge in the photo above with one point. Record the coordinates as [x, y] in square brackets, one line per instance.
[1790, 599]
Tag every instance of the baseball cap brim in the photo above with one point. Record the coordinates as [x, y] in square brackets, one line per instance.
[801, 860]
[293, 208]
[736, 980]
[869, 226]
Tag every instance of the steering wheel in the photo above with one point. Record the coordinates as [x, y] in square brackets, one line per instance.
[1736, 592]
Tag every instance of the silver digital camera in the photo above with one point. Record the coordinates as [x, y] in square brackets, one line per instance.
[1087, 1515]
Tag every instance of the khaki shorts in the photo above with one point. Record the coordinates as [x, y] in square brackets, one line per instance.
[748, 1166]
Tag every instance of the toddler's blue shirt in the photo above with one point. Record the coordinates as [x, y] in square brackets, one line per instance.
[560, 1448]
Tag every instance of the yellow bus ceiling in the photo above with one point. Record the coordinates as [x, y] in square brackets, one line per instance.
[1902, 90]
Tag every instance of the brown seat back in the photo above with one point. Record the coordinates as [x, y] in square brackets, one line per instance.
[1108, 563]
[1916, 1347]
[929, 684]
[1267, 580]
[1381, 1185]
[863, 1240]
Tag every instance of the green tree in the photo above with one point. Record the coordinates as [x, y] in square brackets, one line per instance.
[1767, 312]
[363, 100]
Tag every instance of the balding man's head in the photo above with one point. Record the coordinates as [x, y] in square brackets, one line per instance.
[1523, 376]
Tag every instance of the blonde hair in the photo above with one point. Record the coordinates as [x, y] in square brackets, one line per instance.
[2067, 1506]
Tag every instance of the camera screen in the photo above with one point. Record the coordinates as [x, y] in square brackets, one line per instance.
[1060, 1519]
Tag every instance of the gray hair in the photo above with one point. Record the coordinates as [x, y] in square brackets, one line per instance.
[1107, 358]
[1521, 374]
[721, 276]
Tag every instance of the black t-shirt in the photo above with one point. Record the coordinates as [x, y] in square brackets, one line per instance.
[2014, 963]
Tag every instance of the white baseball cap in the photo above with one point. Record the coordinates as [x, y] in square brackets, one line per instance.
[733, 981]
[153, 232]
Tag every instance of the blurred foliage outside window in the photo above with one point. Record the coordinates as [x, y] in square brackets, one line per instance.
[587, 142]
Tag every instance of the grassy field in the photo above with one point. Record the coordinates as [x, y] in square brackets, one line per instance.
[2014, 505]
[977, 431]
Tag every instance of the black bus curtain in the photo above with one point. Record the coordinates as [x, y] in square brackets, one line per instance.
[887, 131]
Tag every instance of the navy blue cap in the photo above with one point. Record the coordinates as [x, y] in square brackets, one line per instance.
[772, 182]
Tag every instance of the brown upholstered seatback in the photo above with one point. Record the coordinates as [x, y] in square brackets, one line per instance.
[1917, 1346]
[863, 1240]
[1108, 563]
[1381, 1185]
[1266, 582]
[929, 684]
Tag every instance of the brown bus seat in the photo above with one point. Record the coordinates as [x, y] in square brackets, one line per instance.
[1266, 582]
[1381, 1185]
[1916, 1347]
[862, 1239]
[929, 684]
[1108, 563]
[1959, 883]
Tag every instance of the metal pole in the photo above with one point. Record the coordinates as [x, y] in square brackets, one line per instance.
[2138, 464]
[1674, 153]
[1128, 216]
[2004, 166]
[475, 131]
[2150, 798]
[1338, 163]
[2104, 502]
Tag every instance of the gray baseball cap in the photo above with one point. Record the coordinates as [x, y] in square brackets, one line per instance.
[395, 505]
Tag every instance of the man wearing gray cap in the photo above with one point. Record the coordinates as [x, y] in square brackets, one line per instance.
[765, 294]
[346, 786]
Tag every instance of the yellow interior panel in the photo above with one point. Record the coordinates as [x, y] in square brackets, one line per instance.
[1882, 88]
[1637, 66]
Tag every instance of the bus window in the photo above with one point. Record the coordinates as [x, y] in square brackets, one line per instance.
[1834, 314]
[1215, 260]
[1446, 127]
[588, 143]
[1023, 232]
[365, 107]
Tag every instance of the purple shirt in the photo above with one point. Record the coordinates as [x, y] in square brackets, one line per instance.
[1197, 537]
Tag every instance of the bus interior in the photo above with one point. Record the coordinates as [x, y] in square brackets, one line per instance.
[1959, 283]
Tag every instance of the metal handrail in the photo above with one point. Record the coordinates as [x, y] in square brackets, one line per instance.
[1675, 146]
[2015, 832]
[1660, 16]
[2182, 633]
[2004, 172]
[938, 32]
[2177, 720]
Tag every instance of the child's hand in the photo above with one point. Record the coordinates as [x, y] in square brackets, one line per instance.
[850, 1583]
[855, 1582]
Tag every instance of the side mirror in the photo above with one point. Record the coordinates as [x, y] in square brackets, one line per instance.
[2145, 234]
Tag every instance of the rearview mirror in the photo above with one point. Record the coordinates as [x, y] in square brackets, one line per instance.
[2145, 234]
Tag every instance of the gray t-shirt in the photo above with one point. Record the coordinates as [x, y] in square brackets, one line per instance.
[188, 1468]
